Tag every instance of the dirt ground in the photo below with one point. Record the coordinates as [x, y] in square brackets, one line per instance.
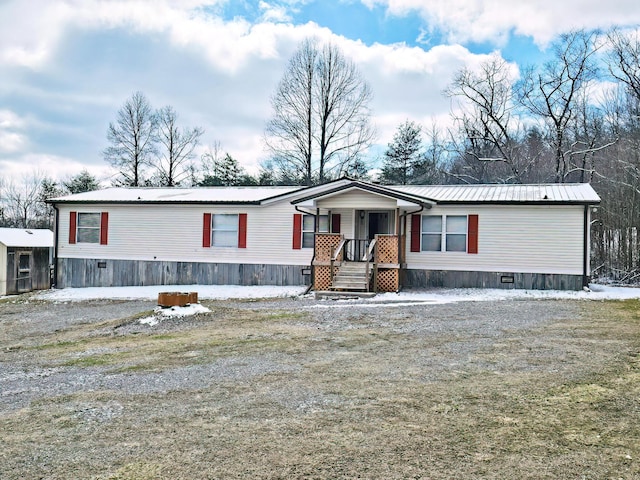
[299, 388]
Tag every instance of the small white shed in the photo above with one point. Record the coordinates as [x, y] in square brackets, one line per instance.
[25, 258]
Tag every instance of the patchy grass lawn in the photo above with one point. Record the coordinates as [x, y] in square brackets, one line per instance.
[284, 398]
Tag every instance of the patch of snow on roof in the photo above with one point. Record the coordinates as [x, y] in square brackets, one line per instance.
[26, 237]
[566, 192]
[199, 194]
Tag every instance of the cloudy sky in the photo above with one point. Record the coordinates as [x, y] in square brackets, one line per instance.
[66, 67]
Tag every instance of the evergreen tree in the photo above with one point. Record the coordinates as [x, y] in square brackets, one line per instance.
[403, 157]
[82, 182]
[226, 172]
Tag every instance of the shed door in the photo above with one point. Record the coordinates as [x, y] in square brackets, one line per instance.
[23, 275]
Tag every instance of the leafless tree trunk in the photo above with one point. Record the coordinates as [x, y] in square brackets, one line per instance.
[321, 115]
[624, 59]
[176, 148]
[21, 201]
[553, 91]
[132, 140]
[485, 117]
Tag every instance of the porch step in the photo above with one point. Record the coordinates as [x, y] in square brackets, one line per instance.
[353, 285]
[343, 295]
[352, 277]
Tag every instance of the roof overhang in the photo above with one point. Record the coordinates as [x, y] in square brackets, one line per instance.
[403, 200]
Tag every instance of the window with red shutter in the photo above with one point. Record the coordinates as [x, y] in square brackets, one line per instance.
[73, 216]
[472, 234]
[104, 228]
[242, 230]
[297, 231]
[206, 230]
[416, 221]
[335, 223]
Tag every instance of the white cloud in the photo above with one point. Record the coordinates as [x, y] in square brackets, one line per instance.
[12, 138]
[53, 166]
[217, 74]
[493, 20]
[274, 13]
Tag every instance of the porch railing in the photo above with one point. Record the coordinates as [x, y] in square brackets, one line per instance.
[370, 255]
[355, 249]
[382, 258]
[336, 256]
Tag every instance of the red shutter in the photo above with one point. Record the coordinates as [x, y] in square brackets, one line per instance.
[206, 230]
[104, 227]
[416, 221]
[472, 234]
[335, 223]
[297, 231]
[242, 230]
[73, 216]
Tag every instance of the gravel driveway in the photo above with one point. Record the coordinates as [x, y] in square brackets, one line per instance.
[24, 378]
[305, 388]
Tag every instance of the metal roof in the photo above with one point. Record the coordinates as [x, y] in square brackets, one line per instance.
[575, 193]
[568, 193]
[176, 195]
[26, 237]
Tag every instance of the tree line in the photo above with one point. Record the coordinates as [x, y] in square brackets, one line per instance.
[574, 118]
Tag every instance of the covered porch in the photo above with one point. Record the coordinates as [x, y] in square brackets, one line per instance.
[359, 237]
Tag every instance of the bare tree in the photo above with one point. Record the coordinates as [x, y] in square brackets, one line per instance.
[22, 201]
[321, 115]
[132, 140]
[552, 92]
[490, 131]
[624, 59]
[176, 148]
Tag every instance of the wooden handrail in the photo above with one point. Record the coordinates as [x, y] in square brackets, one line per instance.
[370, 250]
[336, 252]
[334, 257]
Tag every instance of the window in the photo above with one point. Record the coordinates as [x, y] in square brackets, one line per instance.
[456, 233]
[431, 233]
[224, 230]
[308, 228]
[444, 233]
[88, 228]
[24, 264]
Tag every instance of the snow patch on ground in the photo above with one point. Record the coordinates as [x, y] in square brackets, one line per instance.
[175, 312]
[408, 297]
[185, 311]
[210, 292]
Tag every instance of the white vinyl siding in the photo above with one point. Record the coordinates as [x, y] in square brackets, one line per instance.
[527, 239]
[174, 233]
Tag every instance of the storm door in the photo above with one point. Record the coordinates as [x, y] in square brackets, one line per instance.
[379, 223]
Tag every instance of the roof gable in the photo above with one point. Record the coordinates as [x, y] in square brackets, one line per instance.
[402, 199]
